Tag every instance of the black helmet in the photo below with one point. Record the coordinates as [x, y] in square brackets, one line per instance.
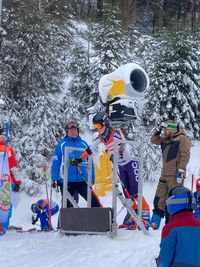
[101, 118]
[35, 208]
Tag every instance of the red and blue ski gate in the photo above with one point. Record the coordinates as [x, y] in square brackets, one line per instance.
[90, 220]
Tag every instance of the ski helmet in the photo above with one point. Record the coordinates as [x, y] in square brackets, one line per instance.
[35, 208]
[198, 184]
[101, 118]
[180, 198]
[71, 123]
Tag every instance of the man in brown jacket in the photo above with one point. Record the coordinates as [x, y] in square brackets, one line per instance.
[175, 146]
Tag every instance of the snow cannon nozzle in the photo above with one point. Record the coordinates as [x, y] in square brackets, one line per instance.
[118, 91]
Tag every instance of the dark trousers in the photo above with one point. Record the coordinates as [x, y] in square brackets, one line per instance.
[75, 196]
[81, 189]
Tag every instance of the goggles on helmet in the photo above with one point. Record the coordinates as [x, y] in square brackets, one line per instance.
[98, 126]
[72, 125]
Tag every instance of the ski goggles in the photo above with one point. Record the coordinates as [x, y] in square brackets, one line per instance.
[72, 125]
[98, 126]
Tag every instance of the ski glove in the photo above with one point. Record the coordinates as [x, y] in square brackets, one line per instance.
[16, 187]
[159, 130]
[54, 185]
[180, 175]
[34, 221]
[75, 161]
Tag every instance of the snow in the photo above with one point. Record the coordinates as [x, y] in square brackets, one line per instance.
[51, 249]
[2, 103]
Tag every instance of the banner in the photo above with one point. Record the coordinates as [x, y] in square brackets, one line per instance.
[5, 192]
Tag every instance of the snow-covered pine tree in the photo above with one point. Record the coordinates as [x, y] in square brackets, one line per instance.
[175, 83]
[82, 84]
[109, 42]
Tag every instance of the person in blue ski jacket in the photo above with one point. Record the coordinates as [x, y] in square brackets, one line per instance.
[77, 176]
[44, 213]
[179, 245]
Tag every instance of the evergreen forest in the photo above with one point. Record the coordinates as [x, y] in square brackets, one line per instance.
[53, 53]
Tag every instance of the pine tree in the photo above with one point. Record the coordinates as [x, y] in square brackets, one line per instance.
[175, 83]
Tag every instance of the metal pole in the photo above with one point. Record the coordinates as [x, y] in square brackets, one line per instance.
[65, 182]
[114, 191]
[140, 182]
[66, 194]
[89, 186]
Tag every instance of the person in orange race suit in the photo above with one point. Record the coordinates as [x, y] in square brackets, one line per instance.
[128, 166]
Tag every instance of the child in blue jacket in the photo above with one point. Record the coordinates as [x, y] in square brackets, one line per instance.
[179, 245]
[41, 208]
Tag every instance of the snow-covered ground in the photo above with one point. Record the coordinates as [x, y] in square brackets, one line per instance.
[51, 249]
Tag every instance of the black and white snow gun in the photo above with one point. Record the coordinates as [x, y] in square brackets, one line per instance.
[120, 89]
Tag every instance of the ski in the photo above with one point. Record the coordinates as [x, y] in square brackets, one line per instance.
[30, 230]
[34, 230]
[14, 227]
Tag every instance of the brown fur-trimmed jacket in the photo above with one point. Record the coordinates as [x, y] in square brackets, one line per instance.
[175, 151]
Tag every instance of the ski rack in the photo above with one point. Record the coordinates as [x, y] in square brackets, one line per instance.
[103, 219]
[127, 203]
[79, 220]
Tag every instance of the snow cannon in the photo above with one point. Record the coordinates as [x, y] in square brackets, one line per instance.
[119, 90]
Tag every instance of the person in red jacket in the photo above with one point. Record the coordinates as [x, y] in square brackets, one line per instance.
[12, 161]
[8, 175]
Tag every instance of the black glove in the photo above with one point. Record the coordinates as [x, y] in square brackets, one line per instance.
[111, 158]
[75, 161]
[16, 187]
[159, 130]
[54, 185]
[34, 221]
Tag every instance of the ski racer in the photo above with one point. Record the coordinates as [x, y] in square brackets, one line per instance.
[44, 213]
[179, 245]
[128, 167]
[175, 146]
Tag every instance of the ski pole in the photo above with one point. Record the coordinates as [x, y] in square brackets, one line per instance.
[192, 186]
[44, 172]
